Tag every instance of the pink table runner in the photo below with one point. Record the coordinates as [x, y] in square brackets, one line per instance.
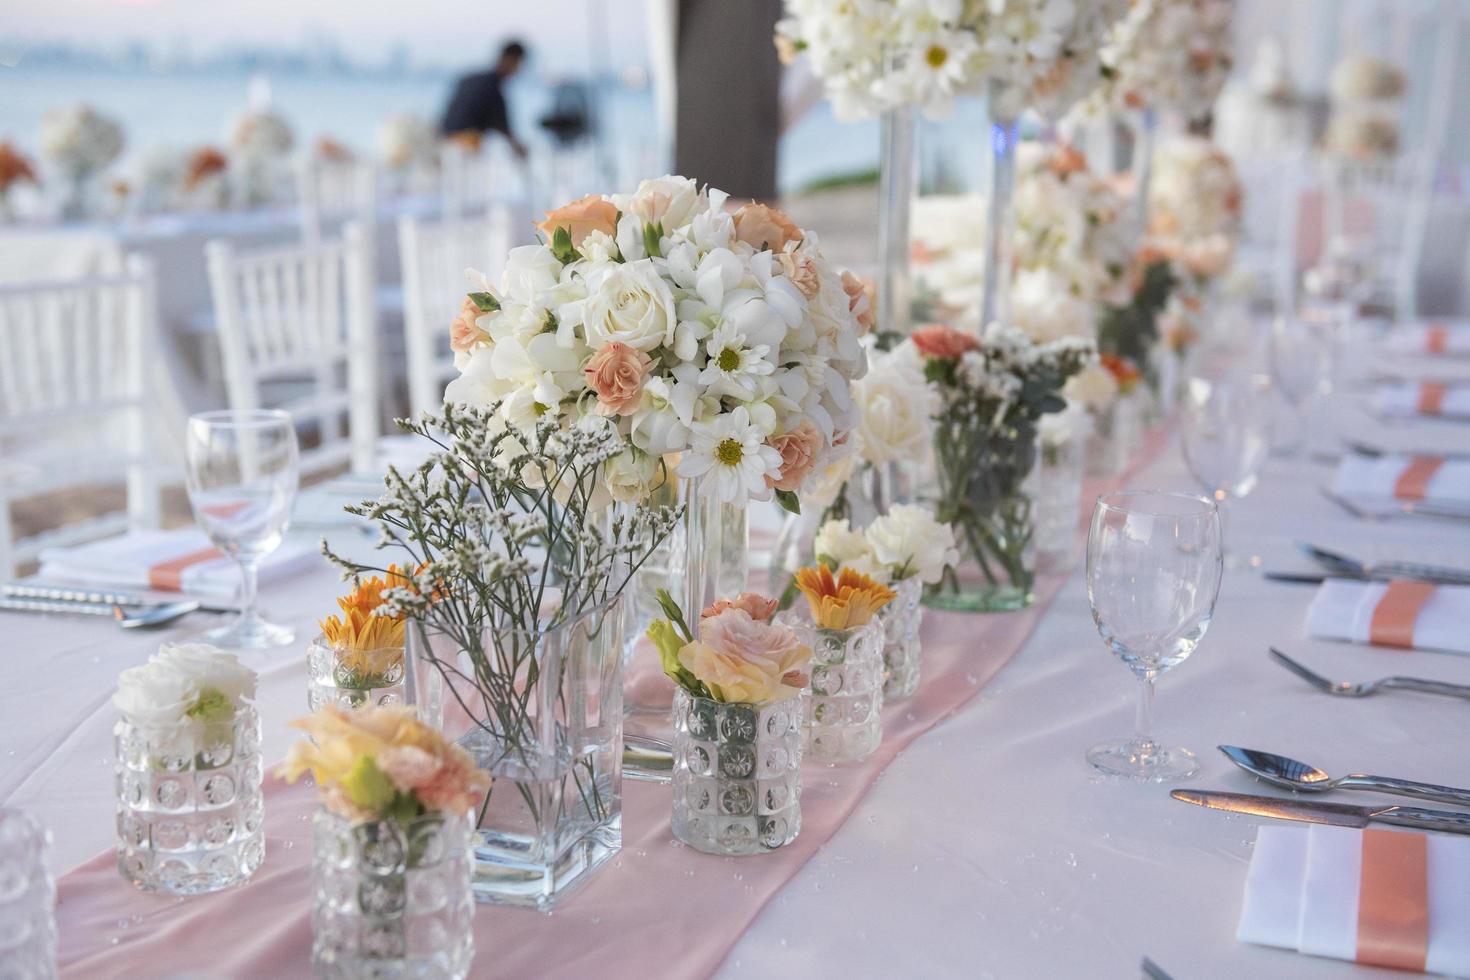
[620, 925]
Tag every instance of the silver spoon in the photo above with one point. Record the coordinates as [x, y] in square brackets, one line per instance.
[148, 617]
[1278, 770]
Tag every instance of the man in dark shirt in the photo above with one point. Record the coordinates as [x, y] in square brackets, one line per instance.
[478, 103]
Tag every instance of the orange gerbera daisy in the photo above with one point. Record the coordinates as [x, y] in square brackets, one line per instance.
[842, 602]
[357, 630]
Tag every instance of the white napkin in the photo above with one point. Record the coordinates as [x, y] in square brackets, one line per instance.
[1303, 886]
[125, 561]
[1400, 400]
[1372, 479]
[1343, 610]
[1413, 338]
[403, 451]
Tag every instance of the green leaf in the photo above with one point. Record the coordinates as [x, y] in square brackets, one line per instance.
[789, 501]
[485, 302]
[561, 247]
[676, 615]
[212, 705]
[651, 235]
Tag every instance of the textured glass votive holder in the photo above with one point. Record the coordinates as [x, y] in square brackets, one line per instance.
[392, 899]
[844, 716]
[900, 620]
[27, 899]
[350, 678]
[189, 804]
[737, 774]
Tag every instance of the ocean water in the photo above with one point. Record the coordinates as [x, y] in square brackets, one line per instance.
[182, 110]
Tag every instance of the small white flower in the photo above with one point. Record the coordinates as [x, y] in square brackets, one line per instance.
[909, 541]
[837, 542]
[730, 457]
[734, 365]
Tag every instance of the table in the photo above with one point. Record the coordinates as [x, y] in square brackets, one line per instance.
[989, 848]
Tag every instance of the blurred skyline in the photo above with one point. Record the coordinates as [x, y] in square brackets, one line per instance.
[566, 36]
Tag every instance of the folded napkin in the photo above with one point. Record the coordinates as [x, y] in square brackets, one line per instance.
[1409, 399]
[1397, 477]
[1411, 615]
[169, 561]
[1432, 337]
[1390, 898]
[405, 452]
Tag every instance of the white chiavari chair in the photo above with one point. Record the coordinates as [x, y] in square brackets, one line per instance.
[466, 179]
[298, 331]
[1378, 212]
[76, 358]
[329, 191]
[434, 257]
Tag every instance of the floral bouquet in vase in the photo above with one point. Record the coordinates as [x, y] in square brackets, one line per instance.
[737, 723]
[358, 656]
[993, 391]
[80, 143]
[391, 858]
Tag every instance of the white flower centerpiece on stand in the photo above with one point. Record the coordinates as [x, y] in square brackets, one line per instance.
[259, 141]
[80, 143]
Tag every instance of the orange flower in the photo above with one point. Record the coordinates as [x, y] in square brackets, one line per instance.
[203, 162]
[1066, 160]
[582, 217]
[357, 629]
[1123, 371]
[331, 151]
[844, 602]
[14, 168]
[937, 340]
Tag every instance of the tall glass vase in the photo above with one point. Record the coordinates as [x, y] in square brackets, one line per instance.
[1144, 142]
[542, 711]
[713, 559]
[895, 200]
[1000, 213]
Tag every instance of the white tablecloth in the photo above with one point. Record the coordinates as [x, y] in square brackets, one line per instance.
[989, 848]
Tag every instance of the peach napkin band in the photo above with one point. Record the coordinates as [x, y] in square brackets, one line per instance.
[1393, 901]
[1431, 398]
[1413, 482]
[1393, 619]
[1437, 338]
[168, 576]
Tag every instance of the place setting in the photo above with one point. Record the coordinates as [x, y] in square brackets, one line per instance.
[666, 500]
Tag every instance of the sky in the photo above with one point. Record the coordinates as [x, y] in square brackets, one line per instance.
[440, 31]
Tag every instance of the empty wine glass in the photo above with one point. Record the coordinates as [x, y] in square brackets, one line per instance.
[1226, 435]
[1154, 563]
[242, 476]
[1303, 364]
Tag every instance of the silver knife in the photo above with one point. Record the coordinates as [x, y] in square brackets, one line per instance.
[1337, 814]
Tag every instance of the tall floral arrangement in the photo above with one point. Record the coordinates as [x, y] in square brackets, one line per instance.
[724, 337]
[260, 134]
[80, 141]
[1167, 54]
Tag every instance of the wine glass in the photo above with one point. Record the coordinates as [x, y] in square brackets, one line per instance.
[1226, 435]
[1154, 562]
[1303, 364]
[242, 476]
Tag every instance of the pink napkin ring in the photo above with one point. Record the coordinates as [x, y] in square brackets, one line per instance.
[1437, 338]
[1393, 901]
[1431, 398]
[1413, 482]
[168, 576]
[1393, 619]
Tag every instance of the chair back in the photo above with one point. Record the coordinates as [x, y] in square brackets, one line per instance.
[331, 191]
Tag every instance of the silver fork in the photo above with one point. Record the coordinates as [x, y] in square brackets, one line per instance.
[1347, 689]
[1374, 452]
[1400, 508]
[1353, 568]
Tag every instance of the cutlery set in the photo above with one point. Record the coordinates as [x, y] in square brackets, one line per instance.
[128, 609]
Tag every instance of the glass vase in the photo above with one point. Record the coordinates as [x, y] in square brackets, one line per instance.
[1059, 502]
[737, 774]
[189, 804]
[542, 712]
[895, 202]
[349, 678]
[1000, 212]
[844, 720]
[983, 491]
[1117, 433]
[900, 620]
[27, 899]
[1145, 138]
[392, 899]
[713, 555]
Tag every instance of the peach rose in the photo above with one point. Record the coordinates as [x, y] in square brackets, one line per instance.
[616, 373]
[742, 659]
[764, 227]
[860, 300]
[802, 271]
[937, 340]
[756, 605]
[465, 332]
[798, 449]
[1067, 160]
[582, 217]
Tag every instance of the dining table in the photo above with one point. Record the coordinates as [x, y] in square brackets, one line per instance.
[987, 847]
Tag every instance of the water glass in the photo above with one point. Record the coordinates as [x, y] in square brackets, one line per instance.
[1303, 363]
[27, 899]
[242, 471]
[1154, 562]
[1226, 434]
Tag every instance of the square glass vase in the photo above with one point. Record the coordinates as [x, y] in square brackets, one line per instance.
[392, 899]
[900, 620]
[351, 678]
[189, 804]
[737, 774]
[27, 899]
[844, 714]
[542, 712]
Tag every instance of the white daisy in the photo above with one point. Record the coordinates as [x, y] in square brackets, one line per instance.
[732, 457]
[734, 364]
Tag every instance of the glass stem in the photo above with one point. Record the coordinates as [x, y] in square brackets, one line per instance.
[995, 291]
[896, 192]
[1143, 722]
[248, 583]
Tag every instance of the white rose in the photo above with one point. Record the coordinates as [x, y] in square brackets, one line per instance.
[1064, 428]
[895, 411]
[669, 200]
[837, 542]
[632, 305]
[909, 541]
[1094, 387]
[163, 691]
[631, 475]
[871, 567]
[530, 270]
[151, 698]
[209, 668]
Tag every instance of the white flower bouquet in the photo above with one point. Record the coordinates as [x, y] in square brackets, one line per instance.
[1195, 202]
[260, 134]
[1169, 54]
[80, 141]
[182, 683]
[907, 542]
[725, 338]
